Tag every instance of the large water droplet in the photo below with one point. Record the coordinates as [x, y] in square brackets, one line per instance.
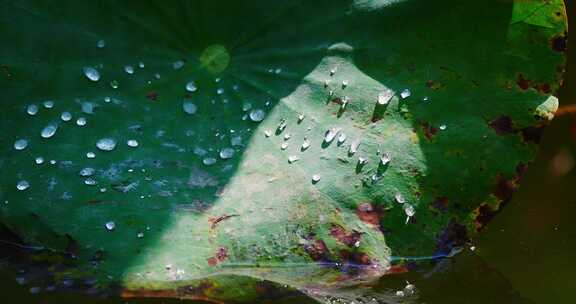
[20, 144]
[226, 153]
[39, 160]
[284, 146]
[49, 130]
[32, 109]
[341, 138]
[316, 178]
[191, 86]
[189, 107]
[91, 73]
[22, 185]
[208, 161]
[106, 144]
[405, 94]
[385, 159]
[292, 158]
[66, 116]
[399, 198]
[257, 115]
[129, 69]
[305, 144]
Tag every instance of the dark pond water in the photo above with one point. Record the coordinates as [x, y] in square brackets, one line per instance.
[526, 255]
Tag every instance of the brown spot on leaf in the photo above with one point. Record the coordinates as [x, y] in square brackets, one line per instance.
[429, 131]
[441, 203]
[220, 255]
[532, 134]
[559, 43]
[504, 189]
[523, 83]
[369, 214]
[341, 235]
[483, 215]
[317, 250]
[502, 125]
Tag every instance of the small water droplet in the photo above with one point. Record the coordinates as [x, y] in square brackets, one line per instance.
[129, 69]
[344, 103]
[293, 158]
[341, 138]
[91, 73]
[425, 99]
[305, 144]
[106, 144]
[39, 160]
[49, 130]
[405, 94]
[385, 159]
[333, 71]
[287, 136]
[246, 106]
[191, 86]
[227, 153]
[32, 109]
[22, 185]
[409, 211]
[257, 115]
[132, 143]
[278, 71]
[81, 121]
[344, 84]
[385, 96]
[66, 116]
[316, 178]
[399, 198]
[90, 182]
[362, 161]
[101, 44]
[300, 118]
[90, 155]
[236, 141]
[178, 64]
[140, 235]
[88, 171]
[107, 99]
[331, 134]
[110, 226]
[48, 104]
[189, 107]
[209, 161]
[442, 127]
[354, 147]
[220, 91]
[20, 144]
[52, 161]
[284, 146]
[281, 126]
[326, 83]
[141, 64]
[114, 84]
[267, 133]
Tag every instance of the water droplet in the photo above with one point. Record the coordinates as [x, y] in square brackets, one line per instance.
[178, 64]
[362, 161]
[189, 107]
[287, 136]
[91, 73]
[65, 116]
[305, 144]
[106, 144]
[344, 103]
[399, 198]
[385, 96]
[209, 161]
[114, 84]
[88, 171]
[405, 94]
[81, 121]
[385, 159]
[300, 118]
[32, 109]
[376, 177]
[101, 44]
[39, 160]
[227, 153]
[220, 91]
[22, 185]
[331, 134]
[90, 182]
[341, 138]
[326, 83]
[141, 64]
[236, 141]
[267, 133]
[110, 226]
[140, 235]
[281, 125]
[90, 155]
[48, 104]
[278, 71]
[333, 71]
[425, 99]
[354, 147]
[293, 158]
[344, 84]
[129, 69]
[107, 99]
[284, 146]
[409, 211]
[191, 86]
[49, 130]
[132, 143]
[400, 293]
[52, 162]
[257, 115]
[442, 127]
[246, 106]
[316, 178]
[20, 144]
